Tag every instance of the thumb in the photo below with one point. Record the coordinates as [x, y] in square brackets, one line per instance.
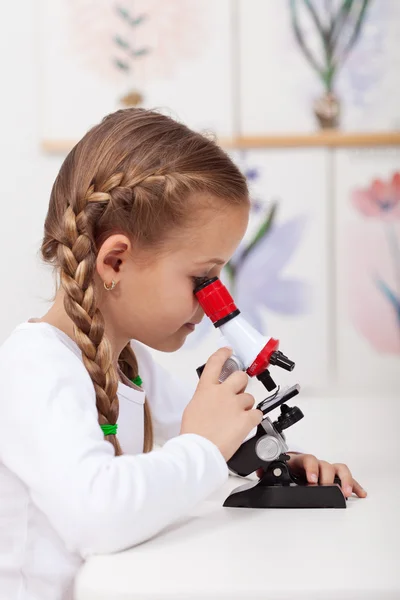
[214, 365]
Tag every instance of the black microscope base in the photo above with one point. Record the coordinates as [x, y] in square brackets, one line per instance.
[256, 495]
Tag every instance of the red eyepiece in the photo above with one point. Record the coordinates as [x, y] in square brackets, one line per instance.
[216, 301]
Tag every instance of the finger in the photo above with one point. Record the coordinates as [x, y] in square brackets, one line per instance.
[346, 478]
[310, 466]
[213, 368]
[327, 472]
[246, 401]
[237, 381]
[358, 490]
[255, 417]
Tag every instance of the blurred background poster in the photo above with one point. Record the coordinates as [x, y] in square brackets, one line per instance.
[106, 54]
[304, 95]
[258, 66]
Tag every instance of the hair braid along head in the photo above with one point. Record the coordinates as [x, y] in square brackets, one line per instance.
[77, 258]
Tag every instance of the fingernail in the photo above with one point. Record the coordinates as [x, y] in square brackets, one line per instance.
[314, 477]
[348, 490]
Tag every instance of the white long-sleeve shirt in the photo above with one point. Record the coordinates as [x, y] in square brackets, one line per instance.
[63, 493]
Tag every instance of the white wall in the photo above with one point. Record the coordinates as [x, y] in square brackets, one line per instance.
[27, 175]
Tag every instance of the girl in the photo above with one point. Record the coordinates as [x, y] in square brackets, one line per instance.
[141, 209]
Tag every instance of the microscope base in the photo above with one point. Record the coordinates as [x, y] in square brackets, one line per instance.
[255, 495]
[280, 488]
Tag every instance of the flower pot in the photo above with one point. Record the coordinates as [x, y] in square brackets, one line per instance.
[132, 98]
[327, 111]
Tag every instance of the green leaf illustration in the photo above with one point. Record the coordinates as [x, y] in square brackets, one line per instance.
[330, 35]
[263, 230]
[121, 65]
[141, 52]
[123, 12]
[120, 42]
[137, 20]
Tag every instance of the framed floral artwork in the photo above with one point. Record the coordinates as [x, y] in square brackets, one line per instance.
[108, 54]
[368, 270]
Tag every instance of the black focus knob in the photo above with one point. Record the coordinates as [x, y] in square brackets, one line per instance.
[289, 416]
[266, 380]
[280, 360]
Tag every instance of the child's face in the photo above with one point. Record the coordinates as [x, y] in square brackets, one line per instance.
[154, 302]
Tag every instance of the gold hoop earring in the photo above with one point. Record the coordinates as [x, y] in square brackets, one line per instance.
[110, 287]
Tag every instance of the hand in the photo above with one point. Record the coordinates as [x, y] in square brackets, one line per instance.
[221, 412]
[320, 471]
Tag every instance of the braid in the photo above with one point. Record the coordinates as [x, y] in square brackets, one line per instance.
[129, 366]
[77, 259]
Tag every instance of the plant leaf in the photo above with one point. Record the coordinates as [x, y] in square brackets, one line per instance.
[300, 39]
[340, 20]
[357, 30]
[141, 52]
[123, 12]
[138, 20]
[315, 18]
[120, 42]
[263, 230]
[389, 294]
[121, 65]
[341, 57]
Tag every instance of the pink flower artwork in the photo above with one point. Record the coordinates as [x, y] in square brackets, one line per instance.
[136, 40]
[374, 316]
[381, 199]
[374, 264]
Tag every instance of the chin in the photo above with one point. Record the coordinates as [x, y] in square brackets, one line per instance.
[171, 344]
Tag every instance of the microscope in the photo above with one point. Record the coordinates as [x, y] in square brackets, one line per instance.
[253, 353]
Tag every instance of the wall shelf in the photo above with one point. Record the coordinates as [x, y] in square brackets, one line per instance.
[327, 138]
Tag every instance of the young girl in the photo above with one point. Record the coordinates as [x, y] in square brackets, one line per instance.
[141, 209]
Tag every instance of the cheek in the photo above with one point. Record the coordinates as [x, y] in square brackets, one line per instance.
[182, 301]
[166, 303]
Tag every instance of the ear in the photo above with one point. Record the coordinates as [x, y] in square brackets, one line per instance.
[112, 255]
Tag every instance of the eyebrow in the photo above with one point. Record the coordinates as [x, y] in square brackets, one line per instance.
[217, 261]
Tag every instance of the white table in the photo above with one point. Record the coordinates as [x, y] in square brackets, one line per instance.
[309, 554]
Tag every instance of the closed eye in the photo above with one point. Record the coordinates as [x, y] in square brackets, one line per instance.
[199, 280]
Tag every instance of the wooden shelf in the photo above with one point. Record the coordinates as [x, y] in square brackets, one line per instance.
[327, 138]
[57, 146]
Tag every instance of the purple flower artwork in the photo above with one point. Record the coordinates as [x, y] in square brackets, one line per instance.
[374, 265]
[255, 274]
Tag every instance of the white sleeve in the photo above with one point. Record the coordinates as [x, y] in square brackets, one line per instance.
[51, 440]
[167, 394]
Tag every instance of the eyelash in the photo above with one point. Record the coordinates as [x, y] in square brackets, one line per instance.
[199, 280]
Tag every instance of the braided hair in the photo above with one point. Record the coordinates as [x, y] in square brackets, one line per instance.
[133, 173]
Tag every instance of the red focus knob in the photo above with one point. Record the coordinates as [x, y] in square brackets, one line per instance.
[263, 359]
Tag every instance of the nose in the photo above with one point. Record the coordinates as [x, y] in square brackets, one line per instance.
[199, 314]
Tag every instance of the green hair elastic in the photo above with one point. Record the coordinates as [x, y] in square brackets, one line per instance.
[137, 381]
[109, 429]
[112, 429]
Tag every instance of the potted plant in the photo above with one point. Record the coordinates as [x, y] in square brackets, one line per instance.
[338, 26]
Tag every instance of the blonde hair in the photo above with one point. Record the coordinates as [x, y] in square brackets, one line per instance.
[133, 174]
